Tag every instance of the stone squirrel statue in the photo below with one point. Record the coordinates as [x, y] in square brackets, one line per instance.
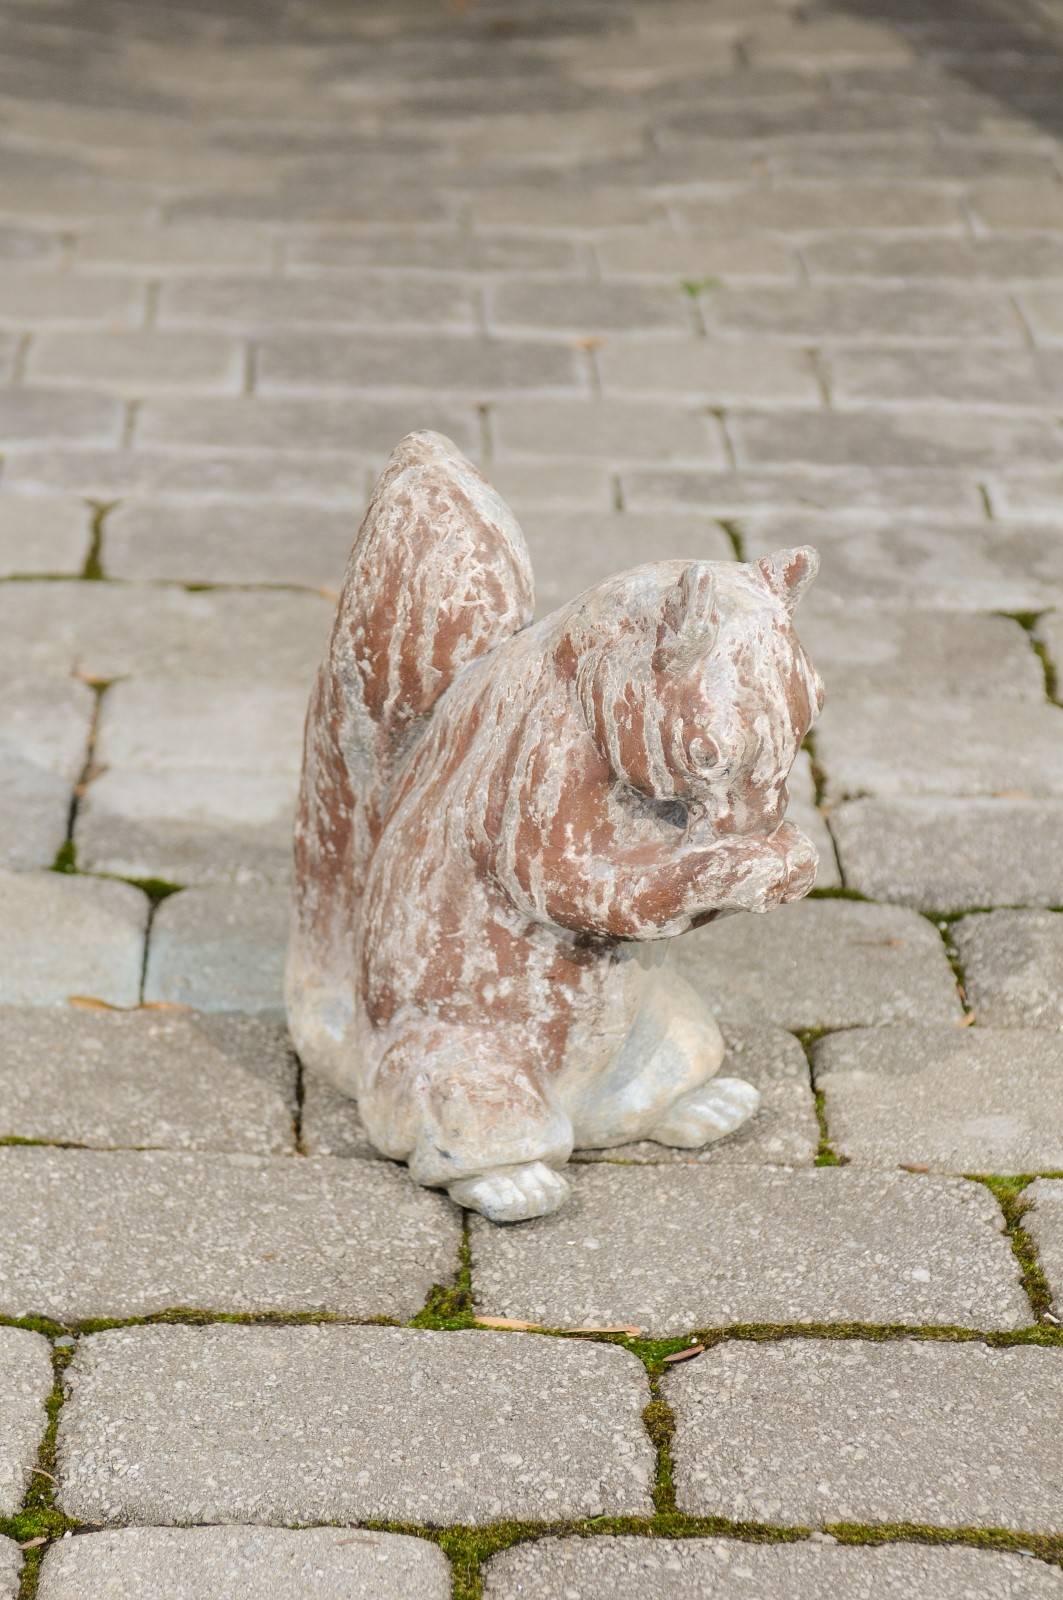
[496, 817]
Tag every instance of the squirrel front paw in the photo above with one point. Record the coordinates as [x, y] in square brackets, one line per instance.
[512, 1194]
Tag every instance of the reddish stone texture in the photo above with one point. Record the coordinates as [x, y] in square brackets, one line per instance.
[497, 820]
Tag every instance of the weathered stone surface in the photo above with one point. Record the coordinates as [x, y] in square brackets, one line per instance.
[953, 1100]
[922, 654]
[46, 533]
[129, 1233]
[286, 1564]
[822, 964]
[108, 631]
[784, 1131]
[431, 967]
[25, 1384]
[350, 1424]
[146, 1078]
[1045, 1225]
[949, 855]
[199, 826]
[297, 544]
[816, 1431]
[879, 745]
[1013, 967]
[43, 744]
[62, 936]
[693, 1569]
[10, 1567]
[675, 1248]
[219, 949]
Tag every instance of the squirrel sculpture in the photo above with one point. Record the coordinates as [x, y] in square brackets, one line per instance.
[496, 819]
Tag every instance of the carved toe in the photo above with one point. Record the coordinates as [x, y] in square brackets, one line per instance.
[711, 1112]
[512, 1194]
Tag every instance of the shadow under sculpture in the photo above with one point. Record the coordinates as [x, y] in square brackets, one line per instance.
[498, 819]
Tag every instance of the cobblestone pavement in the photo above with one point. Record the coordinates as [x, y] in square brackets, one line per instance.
[689, 277]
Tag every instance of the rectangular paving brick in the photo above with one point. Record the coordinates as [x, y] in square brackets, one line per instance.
[220, 949]
[1013, 967]
[31, 297]
[672, 1248]
[62, 936]
[718, 371]
[138, 363]
[313, 478]
[317, 363]
[952, 375]
[539, 306]
[613, 429]
[783, 1132]
[693, 258]
[25, 1384]
[867, 314]
[142, 248]
[370, 300]
[430, 252]
[916, 653]
[46, 416]
[883, 745]
[250, 543]
[885, 438]
[796, 489]
[573, 550]
[239, 725]
[952, 1100]
[146, 1078]
[47, 534]
[286, 1564]
[283, 1425]
[1044, 1223]
[951, 855]
[822, 964]
[358, 426]
[805, 1569]
[815, 1431]
[131, 1233]
[815, 208]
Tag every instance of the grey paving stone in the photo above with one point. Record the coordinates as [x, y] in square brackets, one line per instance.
[350, 1424]
[807, 209]
[196, 826]
[951, 855]
[43, 744]
[795, 490]
[878, 744]
[917, 653]
[220, 949]
[860, 312]
[954, 374]
[822, 964]
[694, 258]
[63, 936]
[924, 563]
[358, 426]
[573, 550]
[369, 300]
[138, 363]
[286, 1564]
[320, 363]
[47, 533]
[803, 812]
[1013, 967]
[693, 1569]
[429, 252]
[216, 476]
[25, 1384]
[619, 430]
[107, 631]
[134, 1232]
[719, 372]
[1027, 256]
[38, 297]
[46, 416]
[194, 724]
[331, 1125]
[538, 305]
[783, 1132]
[146, 1078]
[138, 247]
[1044, 1223]
[952, 1100]
[671, 1249]
[949, 1435]
[10, 1567]
[916, 437]
[257, 543]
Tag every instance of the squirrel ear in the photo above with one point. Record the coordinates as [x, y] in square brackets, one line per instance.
[689, 620]
[788, 573]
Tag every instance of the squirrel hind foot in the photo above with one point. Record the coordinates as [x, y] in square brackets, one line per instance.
[512, 1194]
[706, 1114]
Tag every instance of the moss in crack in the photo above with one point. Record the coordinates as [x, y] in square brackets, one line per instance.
[93, 571]
[1028, 621]
[1011, 1196]
[66, 858]
[840, 893]
[38, 1517]
[659, 1421]
[734, 533]
[943, 926]
[698, 286]
[156, 889]
[449, 1307]
[826, 1155]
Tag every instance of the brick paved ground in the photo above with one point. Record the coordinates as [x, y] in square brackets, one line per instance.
[689, 277]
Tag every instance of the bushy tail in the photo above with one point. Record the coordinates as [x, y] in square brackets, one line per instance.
[439, 575]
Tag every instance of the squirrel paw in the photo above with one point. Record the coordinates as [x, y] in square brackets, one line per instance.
[512, 1194]
[716, 1109]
